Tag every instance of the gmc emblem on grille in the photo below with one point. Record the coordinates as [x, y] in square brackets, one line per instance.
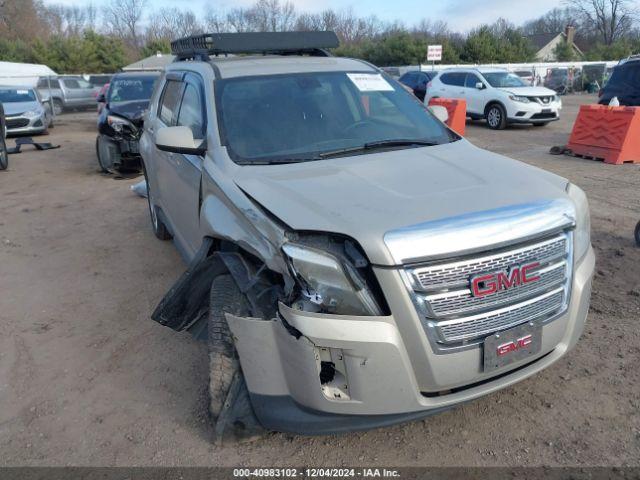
[514, 345]
[490, 283]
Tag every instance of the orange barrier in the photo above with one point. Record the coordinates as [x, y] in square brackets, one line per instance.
[608, 133]
[457, 109]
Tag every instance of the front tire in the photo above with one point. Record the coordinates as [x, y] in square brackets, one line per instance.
[637, 234]
[496, 117]
[229, 402]
[159, 228]
[105, 160]
[4, 156]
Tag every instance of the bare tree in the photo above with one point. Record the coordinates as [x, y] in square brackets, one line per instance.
[612, 19]
[271, 16]
[171, 23]
[123, 17]
[70, 21]
[215, 23]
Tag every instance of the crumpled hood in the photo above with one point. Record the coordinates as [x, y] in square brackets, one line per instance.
[366, 196]
[16, 108]
[132, 111]
[529, 91]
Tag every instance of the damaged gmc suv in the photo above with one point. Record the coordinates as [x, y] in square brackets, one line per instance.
[353, 263]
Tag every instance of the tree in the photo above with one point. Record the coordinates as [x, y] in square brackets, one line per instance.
[612, 19]
[122, 18]
[482, 46]
[564, 52]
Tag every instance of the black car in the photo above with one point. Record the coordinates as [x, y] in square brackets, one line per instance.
[624, 84]
[120, 121]
[417, 81]
[4, 156]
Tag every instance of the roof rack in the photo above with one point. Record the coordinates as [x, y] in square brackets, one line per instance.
[274, 43]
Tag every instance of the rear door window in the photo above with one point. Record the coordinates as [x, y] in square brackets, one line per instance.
[454, 79]
[169, 102]
[471, 80]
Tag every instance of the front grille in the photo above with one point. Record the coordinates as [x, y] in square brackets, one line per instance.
[17, 122]
[453, 317]
[544, 100]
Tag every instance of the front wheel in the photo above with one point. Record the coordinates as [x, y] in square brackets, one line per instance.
[496, 117]
[159, 228]
[229, 403]
[4, 156]
[103, 152]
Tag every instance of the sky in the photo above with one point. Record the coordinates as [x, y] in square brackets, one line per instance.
[460, 15]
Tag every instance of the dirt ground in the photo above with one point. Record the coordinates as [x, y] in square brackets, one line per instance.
[86, 378]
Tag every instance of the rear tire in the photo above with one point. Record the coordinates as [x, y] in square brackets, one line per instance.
[496, 117]
[159, 228]
[4, 156]
[637, 234]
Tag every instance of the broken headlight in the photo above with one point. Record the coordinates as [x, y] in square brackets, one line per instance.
[118, 123]
[582, 234]
[330, 282]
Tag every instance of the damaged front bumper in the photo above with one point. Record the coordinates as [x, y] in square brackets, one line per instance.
[313, 373]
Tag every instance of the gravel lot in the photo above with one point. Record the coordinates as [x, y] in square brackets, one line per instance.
[86, 378]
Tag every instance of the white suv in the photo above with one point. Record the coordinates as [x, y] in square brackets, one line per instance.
[497, 95]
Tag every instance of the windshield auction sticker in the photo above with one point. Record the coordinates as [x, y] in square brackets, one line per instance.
[370, 82]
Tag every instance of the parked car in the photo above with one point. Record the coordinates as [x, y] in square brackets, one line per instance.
[101, 98]
[4, 156]
[67, 92]
[121, 118]
[99, 81]
[417, 81]
[353, 263]
[624, 84]
[497, 95]
[24, 111]
[527, 76]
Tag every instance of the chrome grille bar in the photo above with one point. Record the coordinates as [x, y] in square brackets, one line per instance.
[454, 318]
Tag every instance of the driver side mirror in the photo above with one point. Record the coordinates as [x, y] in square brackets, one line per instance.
[480, 86]
[178, 140]
[439, 112]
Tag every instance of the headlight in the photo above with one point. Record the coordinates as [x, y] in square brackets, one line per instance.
[518, 98]
[118, 122]
[329, 282]
[33, 113]
[582, 239]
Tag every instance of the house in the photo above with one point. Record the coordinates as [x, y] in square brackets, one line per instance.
[155, 62]
[545, 43]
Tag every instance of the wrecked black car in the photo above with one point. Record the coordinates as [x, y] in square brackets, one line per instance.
[120, 121]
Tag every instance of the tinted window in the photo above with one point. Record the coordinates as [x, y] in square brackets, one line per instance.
[169, 102]
[626, 76]
[455, 79]
[471, 80]
[301, 116]
[129, 89]
[191, 112]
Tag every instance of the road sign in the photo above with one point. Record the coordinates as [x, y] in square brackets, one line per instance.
[434, 53]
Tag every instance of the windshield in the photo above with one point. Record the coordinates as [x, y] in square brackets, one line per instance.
[504, 79]
[303, 116]
[12, 95]
[131, 89]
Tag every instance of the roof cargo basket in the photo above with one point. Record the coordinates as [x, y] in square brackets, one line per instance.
[273, 43]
